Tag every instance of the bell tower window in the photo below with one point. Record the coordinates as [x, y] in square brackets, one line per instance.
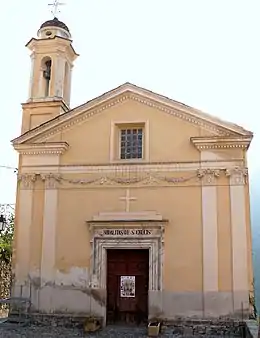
[47, 77]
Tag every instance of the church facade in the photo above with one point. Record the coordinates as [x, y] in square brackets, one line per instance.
[130, 206]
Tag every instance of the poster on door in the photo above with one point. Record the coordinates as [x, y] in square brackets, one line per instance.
[127, 286]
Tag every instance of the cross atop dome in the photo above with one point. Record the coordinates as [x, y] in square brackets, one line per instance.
[55, 7]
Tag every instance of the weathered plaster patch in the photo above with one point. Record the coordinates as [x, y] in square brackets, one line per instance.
[78, 277]
[35, 277]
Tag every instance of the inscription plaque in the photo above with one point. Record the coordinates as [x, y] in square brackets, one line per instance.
[126, 232]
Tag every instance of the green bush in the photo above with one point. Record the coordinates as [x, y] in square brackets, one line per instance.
[6, 241]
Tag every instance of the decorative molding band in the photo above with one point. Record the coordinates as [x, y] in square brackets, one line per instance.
[135, 167]
[96, 106]
[240, 142]
[144, 180]
[27, 181]
[207, 176]
[105, 180]
[50, 148]
[42, 101]
[180, 114]
[68, 121]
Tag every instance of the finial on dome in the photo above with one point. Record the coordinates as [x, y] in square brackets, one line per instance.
[54, 27]
[55, 7]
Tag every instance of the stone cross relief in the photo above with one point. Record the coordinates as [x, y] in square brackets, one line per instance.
[127, 199]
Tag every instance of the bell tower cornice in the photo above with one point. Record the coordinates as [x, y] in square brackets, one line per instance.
[50, 102]
[57, 45]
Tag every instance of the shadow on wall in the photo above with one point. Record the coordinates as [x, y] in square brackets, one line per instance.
[255, 219]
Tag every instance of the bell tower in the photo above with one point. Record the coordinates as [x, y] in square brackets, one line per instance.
[52, 57]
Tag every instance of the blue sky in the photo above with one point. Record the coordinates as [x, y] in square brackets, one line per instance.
[203, 53]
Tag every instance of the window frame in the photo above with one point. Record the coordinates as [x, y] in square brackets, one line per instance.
[130, 127]
[115, 140]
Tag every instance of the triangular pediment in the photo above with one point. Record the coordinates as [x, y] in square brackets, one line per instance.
[125, 92]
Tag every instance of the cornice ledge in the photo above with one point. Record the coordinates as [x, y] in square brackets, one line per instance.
[49, 101]
[145, 216]
[116, 97]
[48, 148]
[99, 105]
[221, 142]
[182, 112]
[66, 121]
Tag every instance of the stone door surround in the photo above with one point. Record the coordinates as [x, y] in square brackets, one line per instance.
[126, 231]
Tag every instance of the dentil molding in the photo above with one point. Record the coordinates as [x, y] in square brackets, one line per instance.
[222, 142]
[50, 148]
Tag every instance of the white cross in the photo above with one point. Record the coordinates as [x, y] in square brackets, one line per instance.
[127, 199]
[55, 6]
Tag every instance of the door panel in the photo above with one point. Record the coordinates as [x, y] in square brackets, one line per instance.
[127, 286]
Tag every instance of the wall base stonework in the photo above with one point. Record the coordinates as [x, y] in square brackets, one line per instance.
[83, 291]
[167, 305]
[182, 327]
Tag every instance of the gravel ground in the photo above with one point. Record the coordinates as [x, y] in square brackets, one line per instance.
[59, 332]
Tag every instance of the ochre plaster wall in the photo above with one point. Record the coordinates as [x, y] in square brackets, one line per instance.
[183, 265]
[169, 137]
[91, 155]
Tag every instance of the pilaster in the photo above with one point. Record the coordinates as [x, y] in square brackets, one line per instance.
[208, 179]
[58, 85]
[49, 228]
[48, 240]
[238, 178]
[31, 76]
[24, 223]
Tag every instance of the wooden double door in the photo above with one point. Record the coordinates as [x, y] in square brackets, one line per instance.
[127, 286]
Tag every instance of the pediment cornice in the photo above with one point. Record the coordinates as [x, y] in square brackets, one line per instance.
[48, 148]
[118, 96]
[230, 142]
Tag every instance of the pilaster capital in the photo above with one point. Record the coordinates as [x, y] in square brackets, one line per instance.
[208, 176]
[51, 180]
[26, 181]
[237, 175]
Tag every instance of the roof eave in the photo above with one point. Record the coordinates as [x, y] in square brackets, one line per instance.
[125, 88]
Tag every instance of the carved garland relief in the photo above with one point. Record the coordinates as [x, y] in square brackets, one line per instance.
[237, 175]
